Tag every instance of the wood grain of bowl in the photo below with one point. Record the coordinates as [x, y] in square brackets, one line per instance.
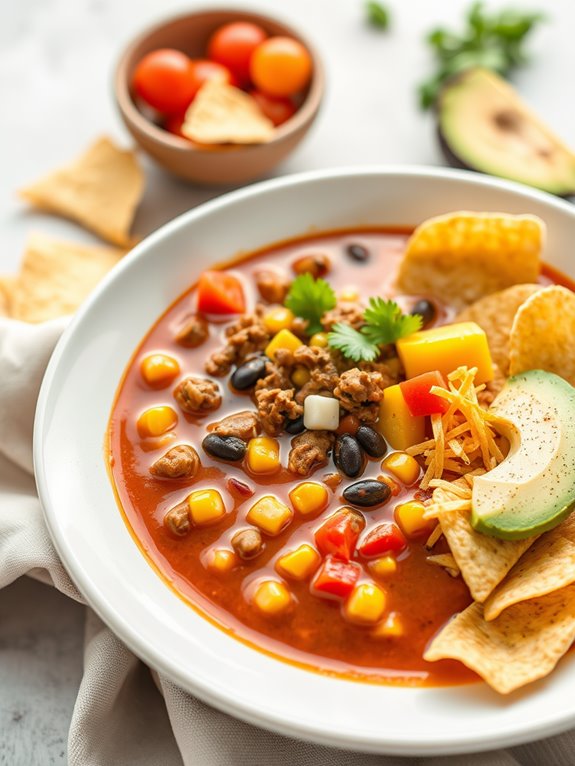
[218, 165]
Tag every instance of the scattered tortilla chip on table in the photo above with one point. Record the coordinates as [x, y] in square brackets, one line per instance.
[461, 257]
[222, 114]
[56, 276]
[495, 314]
[6, 289]
[543, 332]
[523, 644]
[100, 190]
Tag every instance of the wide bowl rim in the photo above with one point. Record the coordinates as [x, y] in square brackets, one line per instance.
[295, 726]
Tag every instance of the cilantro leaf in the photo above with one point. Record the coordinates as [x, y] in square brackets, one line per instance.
[352, 343]
[377, 14]
[385, 322]
[309, 299]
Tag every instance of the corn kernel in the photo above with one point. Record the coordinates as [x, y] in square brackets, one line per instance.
[391, 627]
[300, 376]
[272, 597]
[383, 567]
[283, 339]
[409, 516]
[404, 467]
[299, 564]
[278, 319]
[309, 497]
[159, 370]
[220, 560]
[206, 506]
[270, 515]
[396, 423]
[263, 455]
[366, 604]
[349, 294]
[319, 340]
[157, 421]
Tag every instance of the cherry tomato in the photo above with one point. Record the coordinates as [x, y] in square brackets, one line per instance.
[220, 293]
[278, 110]
[280, 66]
[204, 70]
[163, 79]
[233, 44]
[173, 124]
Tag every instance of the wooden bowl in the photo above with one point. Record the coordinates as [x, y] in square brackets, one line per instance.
[227, 164]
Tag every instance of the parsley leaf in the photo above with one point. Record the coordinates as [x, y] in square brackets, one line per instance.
[352, 343]
[377, 14]
[309, 299]
[385, 322]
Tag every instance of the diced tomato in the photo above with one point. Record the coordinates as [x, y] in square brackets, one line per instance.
[386, 538]
[336, 578]
[220, 293]
[338, 535]
[418, 397]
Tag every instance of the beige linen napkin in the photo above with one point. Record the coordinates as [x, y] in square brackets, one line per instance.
[119, 718]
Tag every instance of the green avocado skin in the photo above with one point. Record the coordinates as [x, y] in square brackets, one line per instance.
[495, 526]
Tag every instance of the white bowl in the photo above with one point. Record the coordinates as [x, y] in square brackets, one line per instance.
[107, 565]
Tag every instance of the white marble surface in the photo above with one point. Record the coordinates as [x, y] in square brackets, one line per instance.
[56, 60]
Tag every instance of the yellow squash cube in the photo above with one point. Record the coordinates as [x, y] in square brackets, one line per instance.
[220, 560]
[396, 423]
[272, 597]
[409, 516]
[159, 370]
[156, 421]
[445, 349]
[366, 604]
[270, 515]
[383, 567]
[403, 466]
[206, 506]
[278, 319]
[309, 498]
[263, 455]
[299, 564]
[283, 339]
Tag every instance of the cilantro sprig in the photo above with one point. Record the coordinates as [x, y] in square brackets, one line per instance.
[384, 323]
[378, 15]
[309, 299]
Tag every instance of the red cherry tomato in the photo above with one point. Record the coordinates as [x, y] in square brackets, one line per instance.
[204, 70]
[280, 66]
[278, 110]
[233, 44]
[220, 293]
[174, 124]
[163, 79]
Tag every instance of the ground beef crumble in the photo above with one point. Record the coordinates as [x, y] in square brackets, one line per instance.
[275, 406]
[310, 450]
[245, 337]
[349, 312]
[359, 392]
[244, 425]
[197, 395]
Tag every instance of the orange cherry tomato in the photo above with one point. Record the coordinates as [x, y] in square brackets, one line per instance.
[278, 110]
[163, 79]
[280, 66]
[204, 70]
[233, 44]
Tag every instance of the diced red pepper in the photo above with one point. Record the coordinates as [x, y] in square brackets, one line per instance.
[338, 535]
[220, 293]
[336, 578]
[418, 397]
[385, 538]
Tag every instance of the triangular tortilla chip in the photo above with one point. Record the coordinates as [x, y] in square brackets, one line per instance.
[221, 114]
[56, 277]
[520, 646]
[464, 256]
[542, 334]
[6, 289]
[100, 190]
[547, 566]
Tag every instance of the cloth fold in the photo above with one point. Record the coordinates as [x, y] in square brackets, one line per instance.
[124, 715]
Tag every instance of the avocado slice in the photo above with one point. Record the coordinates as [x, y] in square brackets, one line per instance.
[483, 125]
[533, 489]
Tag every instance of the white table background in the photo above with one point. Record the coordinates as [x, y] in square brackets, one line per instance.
[56, 64]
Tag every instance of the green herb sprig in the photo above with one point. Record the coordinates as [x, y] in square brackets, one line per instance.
[309, 299]
[378, 15]
[490, 40]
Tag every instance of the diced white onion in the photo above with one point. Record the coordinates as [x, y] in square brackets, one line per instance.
[320, 413]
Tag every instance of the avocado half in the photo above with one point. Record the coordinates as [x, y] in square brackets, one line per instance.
[533, 489]
[483, 125]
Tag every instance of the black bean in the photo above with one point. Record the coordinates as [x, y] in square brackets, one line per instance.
[247, 374]
[372, 442]
[367, 493]
[295, 426]
[358, 252]
[348, 456]
[224, 447]
[426, 310]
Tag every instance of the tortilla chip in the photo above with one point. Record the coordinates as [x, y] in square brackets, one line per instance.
[56, 277]
[221, 114]
[461, 257]
[6, 289]
[523, 644]
[547, 566]
[543, 332]
[495, 314]
[100, 190]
